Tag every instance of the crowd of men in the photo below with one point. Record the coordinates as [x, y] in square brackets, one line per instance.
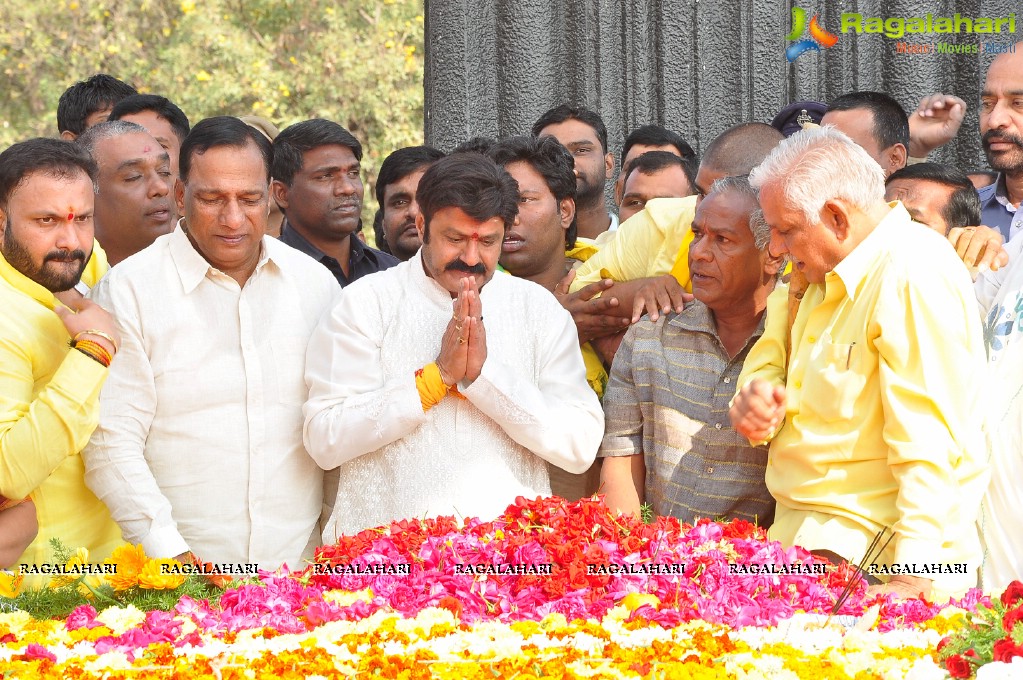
[810, 327]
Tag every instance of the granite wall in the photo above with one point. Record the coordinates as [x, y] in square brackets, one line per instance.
[493, 66]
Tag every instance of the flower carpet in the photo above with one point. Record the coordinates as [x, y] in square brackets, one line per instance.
[549, 589]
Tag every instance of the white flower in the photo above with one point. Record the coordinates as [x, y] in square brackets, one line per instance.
[999, 670]
[121, 619]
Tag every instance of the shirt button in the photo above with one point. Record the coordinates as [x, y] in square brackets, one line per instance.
[728, 380]
[811, 338]
[717, 426]
[799, 385]
[710, 470]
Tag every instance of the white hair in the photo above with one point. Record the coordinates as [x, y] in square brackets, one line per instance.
[816, 165]
[740, 184]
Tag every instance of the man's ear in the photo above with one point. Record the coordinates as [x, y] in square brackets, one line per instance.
[68, 136]
[835, 215]
[896, 155]
[179, 196]
[279, 193]
[609, 166]
[3, 221]
[567, 212]
[421, 227]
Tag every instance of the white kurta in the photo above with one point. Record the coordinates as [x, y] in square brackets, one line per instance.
[1001, 298]
[470, 457]
[199, 445]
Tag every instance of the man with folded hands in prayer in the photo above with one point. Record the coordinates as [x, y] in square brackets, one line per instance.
[429, 409]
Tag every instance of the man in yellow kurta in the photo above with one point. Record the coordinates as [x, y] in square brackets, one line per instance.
[49, 391]
[870, 401]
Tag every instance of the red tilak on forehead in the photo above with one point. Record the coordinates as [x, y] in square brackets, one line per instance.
[475, 236]
[70, 217]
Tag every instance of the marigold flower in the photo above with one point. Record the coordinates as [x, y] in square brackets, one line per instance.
[153, 576]
[128, 561]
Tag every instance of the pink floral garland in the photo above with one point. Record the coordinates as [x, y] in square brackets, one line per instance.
[568, 537]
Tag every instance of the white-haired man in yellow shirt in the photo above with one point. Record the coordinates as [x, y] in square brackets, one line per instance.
[869, 397]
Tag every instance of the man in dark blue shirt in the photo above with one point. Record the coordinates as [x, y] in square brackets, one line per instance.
[1001, 134]
[317, 184]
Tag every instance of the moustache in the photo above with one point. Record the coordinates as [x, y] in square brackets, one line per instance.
[65, 256]
[1001, 136]
[459, 266]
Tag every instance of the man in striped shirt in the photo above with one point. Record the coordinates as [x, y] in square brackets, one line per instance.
[668, 440]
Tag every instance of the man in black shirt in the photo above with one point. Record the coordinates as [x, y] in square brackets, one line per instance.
[318, 186]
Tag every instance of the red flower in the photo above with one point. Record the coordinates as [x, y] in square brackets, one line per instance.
[577, 576]
[739, 528]
[958, 667]
[1005, 649]
[1012, 594]
[452, 604]
[631, 544]
[1011, 618]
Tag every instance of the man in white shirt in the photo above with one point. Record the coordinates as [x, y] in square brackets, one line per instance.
[428, 410]
[199, 446]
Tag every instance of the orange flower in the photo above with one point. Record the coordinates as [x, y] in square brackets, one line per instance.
[160, 575]
[128, 561]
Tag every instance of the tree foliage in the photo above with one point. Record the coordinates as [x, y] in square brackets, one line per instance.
[357, 63]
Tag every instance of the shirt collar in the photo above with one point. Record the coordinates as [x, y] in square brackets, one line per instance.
[1001, 193]
[291, 237]
[435, 292]
[855, 267]
[192, 266]
[25, 285]
[696, 317]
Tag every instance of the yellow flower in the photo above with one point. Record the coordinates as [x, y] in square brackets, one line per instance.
[154, 577]
[75, 572]
[187, 6]
[634, 601]
[202, 76]
[80, 558]
[128, 561]
[10, 583]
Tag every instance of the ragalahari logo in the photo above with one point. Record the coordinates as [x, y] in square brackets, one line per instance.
[818, 36]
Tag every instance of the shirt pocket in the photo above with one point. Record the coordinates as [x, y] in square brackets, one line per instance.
[289, 368]
[835, 388]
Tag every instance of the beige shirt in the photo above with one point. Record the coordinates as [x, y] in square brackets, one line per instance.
[199, 445]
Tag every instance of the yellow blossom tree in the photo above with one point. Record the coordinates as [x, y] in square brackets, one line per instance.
[360, 64]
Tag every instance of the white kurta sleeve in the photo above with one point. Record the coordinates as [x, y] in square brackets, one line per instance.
[989, 283]
[115, 466]
[352, 410]
[559, 419]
